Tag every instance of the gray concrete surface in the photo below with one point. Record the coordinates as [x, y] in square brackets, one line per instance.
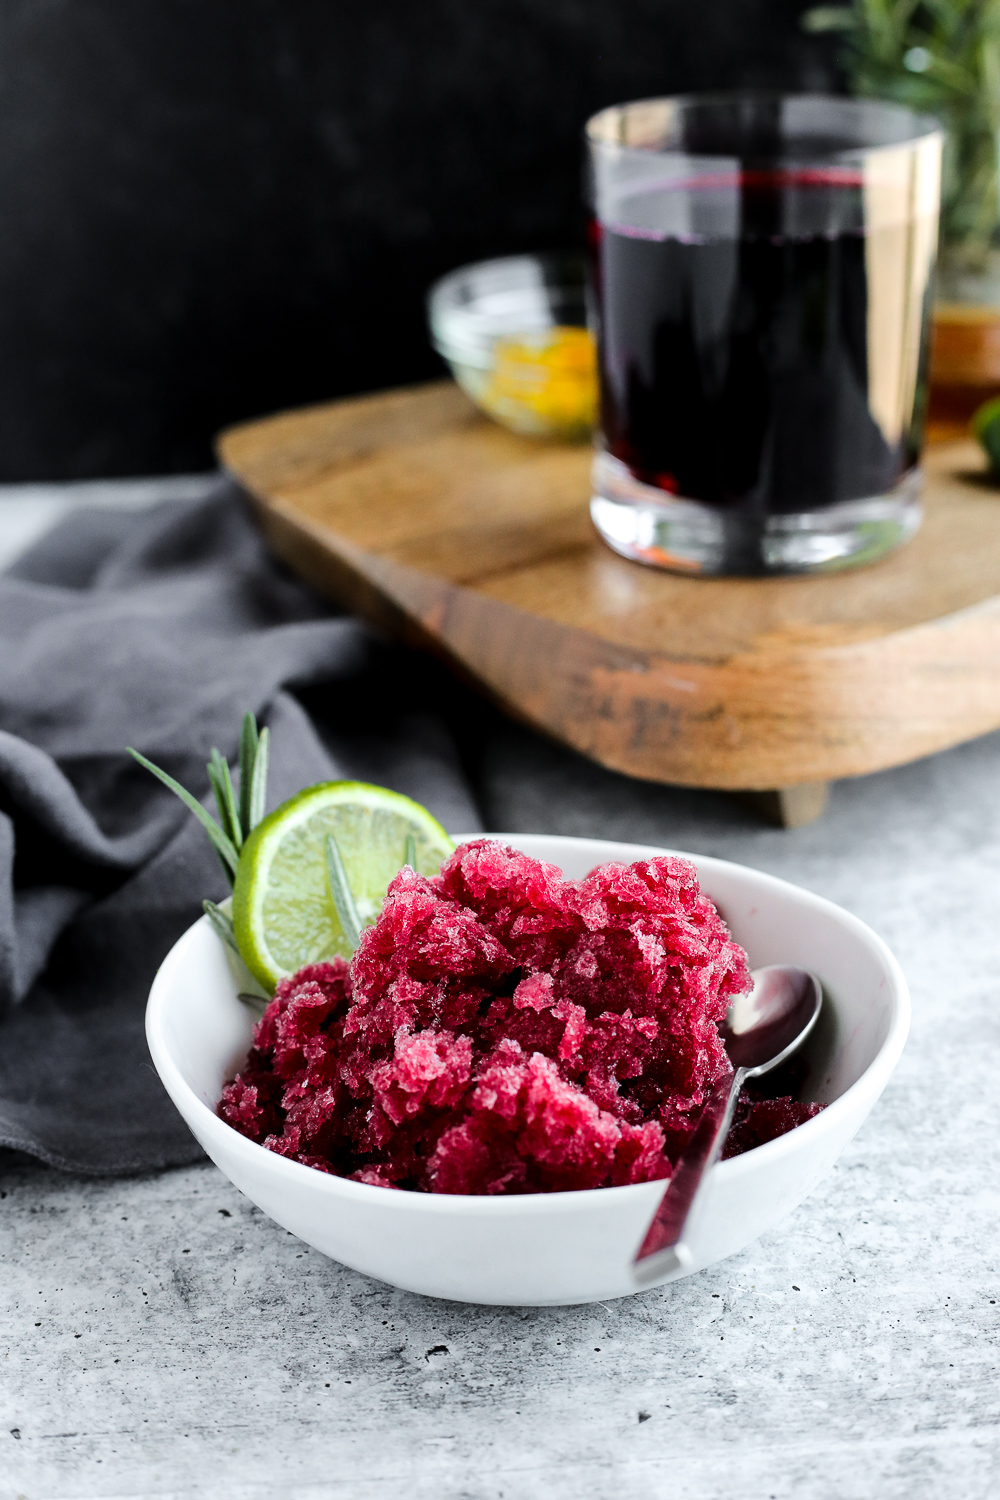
[160, 1337]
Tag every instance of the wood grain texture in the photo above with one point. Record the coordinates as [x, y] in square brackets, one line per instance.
[453, 533]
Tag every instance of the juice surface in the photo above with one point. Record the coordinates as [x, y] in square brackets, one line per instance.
[762, 339]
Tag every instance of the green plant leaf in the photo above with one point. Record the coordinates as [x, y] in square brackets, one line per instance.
[829, 18]
[258, 784]
[958, 82]
[225, 797]
[222, 924]
[249, 740]
[222, 844]
[986, 427]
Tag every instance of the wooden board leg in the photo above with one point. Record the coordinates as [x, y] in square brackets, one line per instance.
[793, 806]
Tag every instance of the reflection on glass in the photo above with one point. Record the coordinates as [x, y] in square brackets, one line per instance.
[761, 270]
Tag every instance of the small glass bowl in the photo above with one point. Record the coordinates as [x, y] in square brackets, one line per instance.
[514, 334]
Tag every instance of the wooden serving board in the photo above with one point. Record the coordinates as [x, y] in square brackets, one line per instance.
[419, 513]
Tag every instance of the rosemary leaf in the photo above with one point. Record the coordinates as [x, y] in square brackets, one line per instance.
[258, 784]
[340, 890]
[829, 18]
[248, 755]
[220, 799]
[222, 924]
[222, 844]
[222, 786]
[410, 852]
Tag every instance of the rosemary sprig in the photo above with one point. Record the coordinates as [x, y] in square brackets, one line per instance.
[225, 799]
[237, 819]
[258, 778]
[221, 841]
[343, 896]
[239, 815]
[340, 886]
[941, 57]
[222, 923]
[249, 742]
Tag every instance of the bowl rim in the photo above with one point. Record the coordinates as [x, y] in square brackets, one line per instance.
[875, 1075]
[465, 335]
[553, 259]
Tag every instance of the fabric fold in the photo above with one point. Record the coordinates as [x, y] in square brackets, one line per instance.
[157, 630]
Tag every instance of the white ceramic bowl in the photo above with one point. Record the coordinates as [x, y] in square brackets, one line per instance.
[552, 1248]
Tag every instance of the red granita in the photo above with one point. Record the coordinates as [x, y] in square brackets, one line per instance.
[503, 1030]
[758, 1121]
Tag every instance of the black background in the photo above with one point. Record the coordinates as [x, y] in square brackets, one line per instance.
[213, 208]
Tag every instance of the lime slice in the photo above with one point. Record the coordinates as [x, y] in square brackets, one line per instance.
[283, 912]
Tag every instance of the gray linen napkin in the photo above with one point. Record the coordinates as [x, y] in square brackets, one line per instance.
[157, 630]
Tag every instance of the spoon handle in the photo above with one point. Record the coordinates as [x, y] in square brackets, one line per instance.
[664, 1237]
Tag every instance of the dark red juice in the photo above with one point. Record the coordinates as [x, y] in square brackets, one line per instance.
[735, 316]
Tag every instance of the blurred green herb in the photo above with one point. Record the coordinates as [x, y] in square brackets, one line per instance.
[941, 57]
[986, 427]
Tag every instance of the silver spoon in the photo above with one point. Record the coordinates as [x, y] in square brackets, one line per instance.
[763, 1027]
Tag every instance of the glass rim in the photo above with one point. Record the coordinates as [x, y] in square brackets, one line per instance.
[920, 127]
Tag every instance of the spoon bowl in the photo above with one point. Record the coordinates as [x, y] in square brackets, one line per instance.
[765, 1025]
[762, 1028]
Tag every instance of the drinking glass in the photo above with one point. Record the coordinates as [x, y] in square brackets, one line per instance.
[761, 271]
